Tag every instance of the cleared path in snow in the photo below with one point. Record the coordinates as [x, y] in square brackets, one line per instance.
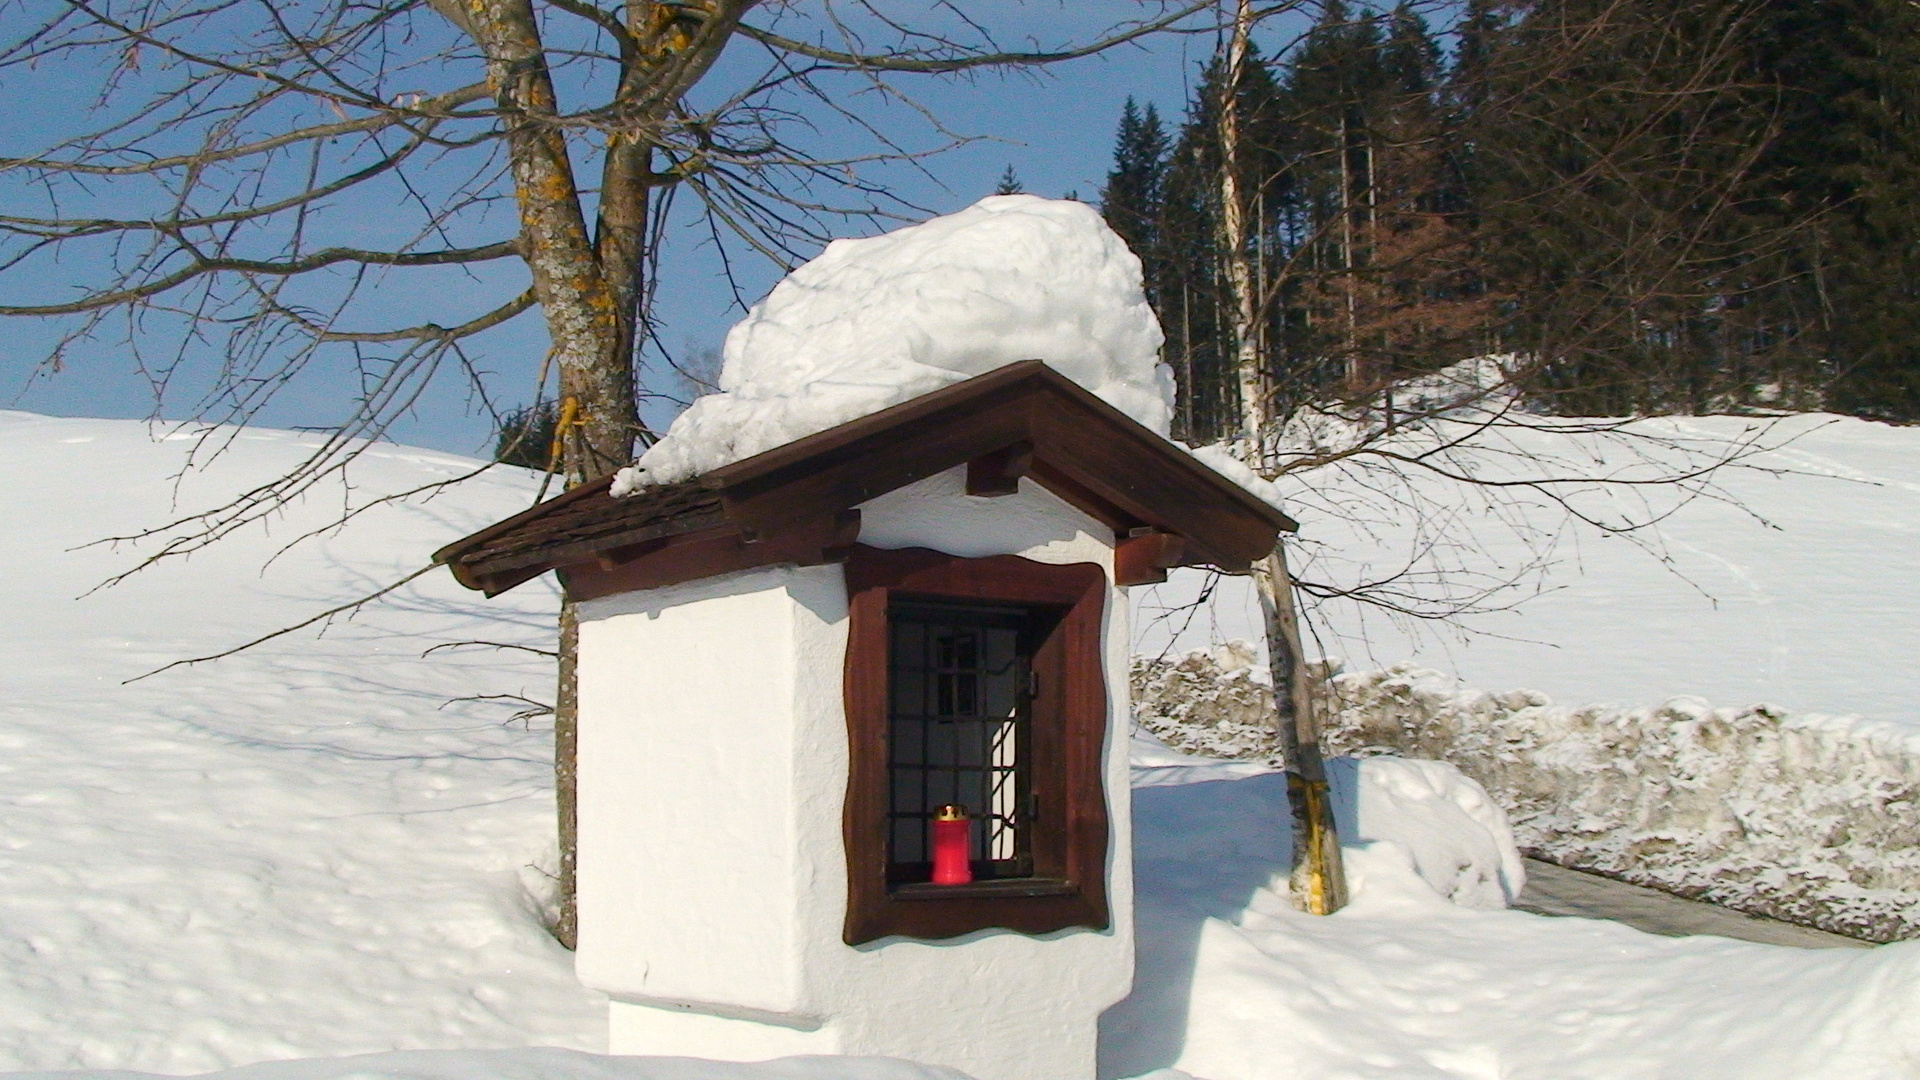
[1556, 890]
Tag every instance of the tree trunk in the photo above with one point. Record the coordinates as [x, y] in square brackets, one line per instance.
[590, 318]
[1319, 880]
[1319, 883]
[582, 313]
[1249, 370]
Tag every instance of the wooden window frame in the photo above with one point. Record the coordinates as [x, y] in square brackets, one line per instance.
[1071, 833]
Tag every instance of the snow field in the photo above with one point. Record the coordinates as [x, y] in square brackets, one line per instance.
[1793, 583]
[547, 1063]
[306, 849]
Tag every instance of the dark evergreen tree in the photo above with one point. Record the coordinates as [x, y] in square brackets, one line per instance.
[1188, 283]
[1131, 199]
[1410, 58]
[526, 435]
[1847, 75]
[1616, 195]
[1656, 205]
[1009, 183]
[1469, 76]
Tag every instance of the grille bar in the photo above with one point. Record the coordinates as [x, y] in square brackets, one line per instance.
[958, 732]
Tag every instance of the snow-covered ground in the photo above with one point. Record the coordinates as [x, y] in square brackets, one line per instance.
[300, 850]
[1802, 817]
[1405, 985]
[305, 851]
[1800, 591]
[543, 1063]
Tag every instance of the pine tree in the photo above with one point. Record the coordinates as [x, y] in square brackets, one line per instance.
[1131, 199]
[1848, 78]
[1332, 98]
[1009, 183]
[1410, 58]
[1187, 281]
[526, 436]
[1468, 77]
[1615, 189]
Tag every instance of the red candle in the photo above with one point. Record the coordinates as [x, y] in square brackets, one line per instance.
[952, 841]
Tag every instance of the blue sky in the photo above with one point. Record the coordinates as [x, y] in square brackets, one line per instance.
[1054, 127]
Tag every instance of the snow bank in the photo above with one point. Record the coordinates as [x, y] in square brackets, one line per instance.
[1435, 820]
[1213, 703]
[1813, 819]
[1426, 817]
[1233, 984]
[539, 1063]
[874, 322]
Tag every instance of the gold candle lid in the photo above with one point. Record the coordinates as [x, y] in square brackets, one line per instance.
[951, 812]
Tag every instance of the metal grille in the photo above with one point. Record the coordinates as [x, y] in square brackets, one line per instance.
[958, 732]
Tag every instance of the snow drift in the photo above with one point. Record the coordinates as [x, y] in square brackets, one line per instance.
[542, 1063]
[873, 322]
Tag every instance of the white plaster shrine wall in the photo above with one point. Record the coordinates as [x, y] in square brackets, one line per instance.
[712, 876]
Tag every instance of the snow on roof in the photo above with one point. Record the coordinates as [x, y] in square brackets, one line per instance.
[874, 322]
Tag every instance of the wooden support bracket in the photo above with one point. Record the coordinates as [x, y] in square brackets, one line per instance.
[1145, 556]
[998, 473]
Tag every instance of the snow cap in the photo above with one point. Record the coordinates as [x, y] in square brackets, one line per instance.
[874, 322]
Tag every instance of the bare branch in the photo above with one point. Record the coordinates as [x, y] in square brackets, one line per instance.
[920, 62]
[285, 630]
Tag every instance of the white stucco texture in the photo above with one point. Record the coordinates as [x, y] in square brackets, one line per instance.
[712, 874]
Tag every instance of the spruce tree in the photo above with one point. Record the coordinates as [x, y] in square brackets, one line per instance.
[1190, 297]
[1131, 199]
[1847, 78]
[1615, 190]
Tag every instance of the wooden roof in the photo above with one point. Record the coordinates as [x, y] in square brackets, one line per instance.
[795, 503]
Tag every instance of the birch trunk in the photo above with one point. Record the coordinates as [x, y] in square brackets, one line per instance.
[1250, 372]
[1319, 884]
[1319, 879]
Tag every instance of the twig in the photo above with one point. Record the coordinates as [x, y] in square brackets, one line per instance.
[285, 630]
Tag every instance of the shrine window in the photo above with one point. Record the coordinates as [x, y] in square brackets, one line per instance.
[976, 692]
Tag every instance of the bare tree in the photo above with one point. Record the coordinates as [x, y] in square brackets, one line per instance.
[1318, 881]
[1405, 255]
[254, 194]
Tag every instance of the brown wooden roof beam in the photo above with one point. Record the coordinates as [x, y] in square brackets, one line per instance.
[998, 473]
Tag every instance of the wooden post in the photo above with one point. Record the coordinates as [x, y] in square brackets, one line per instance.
[1319, 881]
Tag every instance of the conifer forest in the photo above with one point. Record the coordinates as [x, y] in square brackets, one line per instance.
[1639, 206]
